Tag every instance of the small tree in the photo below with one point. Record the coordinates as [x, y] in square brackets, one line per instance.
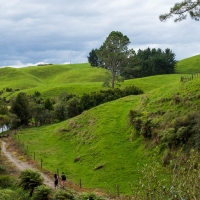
[48, 104]
[20, 106]
[114, 52]
[29, 180]
[93, 58]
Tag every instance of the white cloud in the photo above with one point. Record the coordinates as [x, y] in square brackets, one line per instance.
[59, 31]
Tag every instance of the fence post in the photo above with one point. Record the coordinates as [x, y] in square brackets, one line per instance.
[41, 163]
[117, 187]
[34, 156]
[58, 172]
[80, 183]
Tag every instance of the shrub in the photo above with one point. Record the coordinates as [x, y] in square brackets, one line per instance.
[42, 192]
[89, 196]
[178, 180]
[6, 181]
[62, 195]
[146, 128]
[2, 169]
[8, 194]
[134, 119]
[29, 180]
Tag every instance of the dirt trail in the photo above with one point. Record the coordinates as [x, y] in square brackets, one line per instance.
[23, 165]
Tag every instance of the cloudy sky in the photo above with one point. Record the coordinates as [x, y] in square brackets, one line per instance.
[62, 31]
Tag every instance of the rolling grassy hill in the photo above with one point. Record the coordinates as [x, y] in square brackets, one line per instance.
[189, 65]
[51, 80]
[102, 135]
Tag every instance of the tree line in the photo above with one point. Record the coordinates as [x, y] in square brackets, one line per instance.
[115, 56]
[33, 110]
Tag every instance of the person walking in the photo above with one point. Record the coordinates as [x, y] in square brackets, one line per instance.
[63, 179]
[56, 181]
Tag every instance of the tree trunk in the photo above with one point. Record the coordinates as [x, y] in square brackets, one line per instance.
[113, 80]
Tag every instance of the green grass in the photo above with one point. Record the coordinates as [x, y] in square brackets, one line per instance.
[51, 80]
[102, 135]
[189, 65]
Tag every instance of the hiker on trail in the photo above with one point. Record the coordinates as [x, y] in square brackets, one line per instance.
[56, 181]
[63, 179]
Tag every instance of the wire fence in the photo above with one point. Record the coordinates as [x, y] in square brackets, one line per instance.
[187, 78]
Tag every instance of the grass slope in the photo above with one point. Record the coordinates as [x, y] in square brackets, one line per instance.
[51, 80]
[189, 65]
[102, 135]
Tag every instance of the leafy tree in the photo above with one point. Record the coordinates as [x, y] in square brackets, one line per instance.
[179, 9]
[3, 108]
[93, 58]
[114, 52]
[48, 104]
[155, 61]
[60, 111]
[29, 180]
[20, 106]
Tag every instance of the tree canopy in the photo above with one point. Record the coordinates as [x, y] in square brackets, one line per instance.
[180, 10]
[93, 59]
[149, 62]
[20, 106]
[114, 52]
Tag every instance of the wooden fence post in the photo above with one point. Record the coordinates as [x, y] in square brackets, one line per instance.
[117, 187]
[80, 183]
[58, 172]
[41, 163]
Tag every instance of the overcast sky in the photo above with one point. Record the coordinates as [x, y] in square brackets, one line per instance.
[62, 31]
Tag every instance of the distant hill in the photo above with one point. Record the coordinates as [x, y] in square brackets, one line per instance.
[189, 65]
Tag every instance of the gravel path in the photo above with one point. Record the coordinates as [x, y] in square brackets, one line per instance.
[23, 165]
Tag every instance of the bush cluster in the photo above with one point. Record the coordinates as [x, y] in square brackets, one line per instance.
[184, 131]
[141, 123]
[93, 99]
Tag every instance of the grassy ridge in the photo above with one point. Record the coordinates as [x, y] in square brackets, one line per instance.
[51, 80]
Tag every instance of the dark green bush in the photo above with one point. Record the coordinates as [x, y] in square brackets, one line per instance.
[146, 128]
[134, 119]
[6, 181]
[2, 169]
[42, 192]
[63, 195]
[89, 196]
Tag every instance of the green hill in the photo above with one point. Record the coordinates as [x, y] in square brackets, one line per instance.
[51, 80]
[102, 136]
[189, 65]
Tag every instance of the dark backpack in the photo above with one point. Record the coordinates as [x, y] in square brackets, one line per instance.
[63, 177]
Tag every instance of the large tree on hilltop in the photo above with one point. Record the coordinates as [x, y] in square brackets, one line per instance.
[180, 10]
[114, 52]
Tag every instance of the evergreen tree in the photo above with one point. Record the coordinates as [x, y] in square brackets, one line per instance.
[20, 106]
[93, 58]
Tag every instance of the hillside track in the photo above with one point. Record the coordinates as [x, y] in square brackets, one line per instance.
[9, 151]
[24, 165]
